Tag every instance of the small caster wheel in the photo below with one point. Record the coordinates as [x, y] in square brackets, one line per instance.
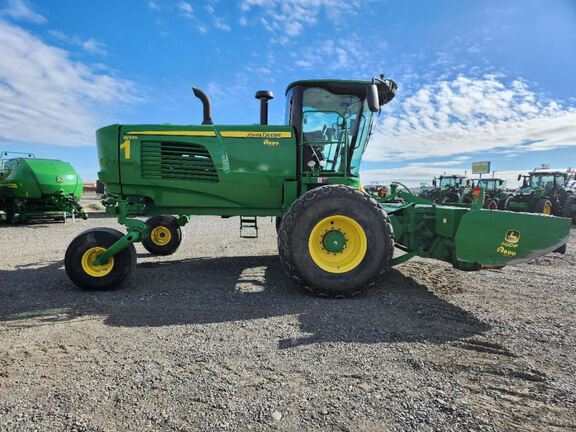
[83, 251]
[165, 235]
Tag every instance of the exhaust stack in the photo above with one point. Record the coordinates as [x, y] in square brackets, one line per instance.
[206, 113]
[264, 96]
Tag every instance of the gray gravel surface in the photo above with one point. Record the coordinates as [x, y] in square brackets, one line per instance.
[216, 337]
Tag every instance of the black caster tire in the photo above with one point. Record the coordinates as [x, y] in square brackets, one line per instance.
[164, 237]
[80, 255]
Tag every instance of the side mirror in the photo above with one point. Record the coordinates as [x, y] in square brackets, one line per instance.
[519, 177]
[434, 182]
[372, 98]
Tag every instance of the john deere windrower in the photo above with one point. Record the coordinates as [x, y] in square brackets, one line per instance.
[333, 238]
[33, 188]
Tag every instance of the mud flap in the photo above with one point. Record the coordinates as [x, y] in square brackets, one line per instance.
[489, 239]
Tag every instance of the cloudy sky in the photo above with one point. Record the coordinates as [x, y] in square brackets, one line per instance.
[478, 79]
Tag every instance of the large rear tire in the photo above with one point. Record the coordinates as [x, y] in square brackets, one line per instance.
[544, 206]
[449, 199]
[505, 203]
[567, 208]
[335, 241]
[491, 204]
[84, 249]
[164, 236]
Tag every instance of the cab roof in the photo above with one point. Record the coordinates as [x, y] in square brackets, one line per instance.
[336, 86]
[548, 171]
[386, 89]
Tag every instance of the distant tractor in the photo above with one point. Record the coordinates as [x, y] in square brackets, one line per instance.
[448, 189]
[32, 189]
[545, 191]
[334, 239]
[495, 193]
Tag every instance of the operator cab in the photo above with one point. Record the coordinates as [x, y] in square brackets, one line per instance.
[453, 181]
[539, 179]
[491, 184]
[333, 120]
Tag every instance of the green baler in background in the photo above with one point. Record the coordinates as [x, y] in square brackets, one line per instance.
[333, 238]
[32, 189]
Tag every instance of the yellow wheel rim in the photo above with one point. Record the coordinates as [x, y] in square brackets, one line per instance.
[547, 209]
[337, 244]
[160, 235]
[96, 270]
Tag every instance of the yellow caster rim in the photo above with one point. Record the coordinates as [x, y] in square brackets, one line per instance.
[337, 244]
[95, 270]
[160, 235]
[547, 209]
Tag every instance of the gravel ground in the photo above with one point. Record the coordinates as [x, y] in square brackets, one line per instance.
[216, 337]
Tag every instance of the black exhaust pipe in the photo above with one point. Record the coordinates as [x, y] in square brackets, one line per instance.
[206, 106]
[264, 96]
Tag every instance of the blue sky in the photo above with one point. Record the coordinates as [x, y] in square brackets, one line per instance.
[478, 80]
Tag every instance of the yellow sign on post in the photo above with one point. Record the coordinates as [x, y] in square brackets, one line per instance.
[481, 167]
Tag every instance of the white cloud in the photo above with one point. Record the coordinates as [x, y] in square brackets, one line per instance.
[94, 46]
[90, 45]
[188, 12]
[47, 98]
[19, 10]
[186, 8]
[469, 115]
[290, 17]
[221, 25]
[347, 56]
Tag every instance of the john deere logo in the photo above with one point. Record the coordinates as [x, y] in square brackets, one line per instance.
[512, 236]
[59, 179]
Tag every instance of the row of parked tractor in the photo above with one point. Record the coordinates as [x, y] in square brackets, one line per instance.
[546, 191]
[32, 189]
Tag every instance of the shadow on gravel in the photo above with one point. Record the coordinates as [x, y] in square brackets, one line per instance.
[228, 289]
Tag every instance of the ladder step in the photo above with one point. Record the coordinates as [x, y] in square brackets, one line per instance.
[248, 227]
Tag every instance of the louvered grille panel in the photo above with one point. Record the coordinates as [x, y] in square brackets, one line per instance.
[177, 161]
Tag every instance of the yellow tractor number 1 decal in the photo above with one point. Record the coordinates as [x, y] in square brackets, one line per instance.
[126, 147]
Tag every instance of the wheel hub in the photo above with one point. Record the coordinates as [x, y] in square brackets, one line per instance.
[334, 241]
[337, 244]
[92, 269]
[160, 235]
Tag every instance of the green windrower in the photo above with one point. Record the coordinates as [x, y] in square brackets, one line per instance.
[333, 238]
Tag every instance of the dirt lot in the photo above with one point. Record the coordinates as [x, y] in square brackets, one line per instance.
[216, 337]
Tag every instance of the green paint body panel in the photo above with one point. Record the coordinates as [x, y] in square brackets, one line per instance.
[34, 188]
[247, 175]
[482, 236]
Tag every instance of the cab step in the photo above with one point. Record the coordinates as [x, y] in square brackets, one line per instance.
[248, 227]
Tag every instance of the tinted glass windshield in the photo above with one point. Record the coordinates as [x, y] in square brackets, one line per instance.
[543, 180]
[335, 129]
[488, 184]
[449, 181]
